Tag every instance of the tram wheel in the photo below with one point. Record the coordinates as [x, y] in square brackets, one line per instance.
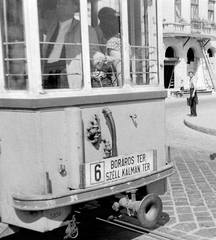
[150, 210]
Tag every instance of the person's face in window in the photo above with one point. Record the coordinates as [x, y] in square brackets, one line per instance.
[66, 9]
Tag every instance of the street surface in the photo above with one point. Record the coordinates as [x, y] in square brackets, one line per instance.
[191, 200]
[189, 206]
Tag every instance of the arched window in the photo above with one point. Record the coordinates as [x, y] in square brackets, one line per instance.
[190, 55]
[210, 52]
[170, 53]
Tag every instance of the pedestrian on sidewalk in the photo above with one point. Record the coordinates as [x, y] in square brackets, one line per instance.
[193, 100]
[181, 89]
[182, 85]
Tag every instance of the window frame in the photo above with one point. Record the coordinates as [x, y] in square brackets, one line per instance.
[30, 10]
[32, 41]
[194, 9]
[211, 10]
[2, 73]
[177, 6]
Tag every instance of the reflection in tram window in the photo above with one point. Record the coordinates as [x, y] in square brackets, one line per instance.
[61, 51]
[14, 45]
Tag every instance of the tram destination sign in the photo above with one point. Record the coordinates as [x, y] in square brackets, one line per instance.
[120, 167]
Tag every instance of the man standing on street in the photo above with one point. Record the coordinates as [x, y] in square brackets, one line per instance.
[193, 101]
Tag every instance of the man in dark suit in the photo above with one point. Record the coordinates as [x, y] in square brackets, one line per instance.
[193, 101]
[63, 64]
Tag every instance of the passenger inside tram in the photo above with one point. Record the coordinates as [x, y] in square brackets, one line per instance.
[65, 28]
[108, 32]
[61, 49]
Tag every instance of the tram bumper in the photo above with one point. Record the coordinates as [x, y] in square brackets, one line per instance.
[52, 201]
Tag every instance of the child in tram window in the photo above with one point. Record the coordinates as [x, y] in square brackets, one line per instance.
[108, 32]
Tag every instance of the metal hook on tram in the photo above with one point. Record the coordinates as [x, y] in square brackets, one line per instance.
[108, 114]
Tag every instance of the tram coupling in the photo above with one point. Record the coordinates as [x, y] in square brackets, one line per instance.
[147, 211]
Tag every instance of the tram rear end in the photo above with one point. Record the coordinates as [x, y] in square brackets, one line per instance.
[71, 131]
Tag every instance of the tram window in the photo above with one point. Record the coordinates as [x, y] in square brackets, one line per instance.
[62, 57]
[142, 37]
[61, 50]
[60, 44]
[14, 45]
[108, 28]
[143, 42]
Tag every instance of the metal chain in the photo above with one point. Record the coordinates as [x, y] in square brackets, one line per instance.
[72, 229]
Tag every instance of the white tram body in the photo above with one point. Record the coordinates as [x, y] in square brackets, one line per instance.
[62, 146]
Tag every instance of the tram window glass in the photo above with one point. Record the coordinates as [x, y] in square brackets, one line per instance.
[61, 49]
[62, 57]
[60, 38]
[107, 24]
[14, 44]
[143, 42]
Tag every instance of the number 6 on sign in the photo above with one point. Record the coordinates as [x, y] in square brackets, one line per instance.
[97, 172]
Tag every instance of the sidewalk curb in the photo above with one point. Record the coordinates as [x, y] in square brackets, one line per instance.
[209, 131]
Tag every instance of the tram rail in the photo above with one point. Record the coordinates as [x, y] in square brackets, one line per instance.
[138, 229]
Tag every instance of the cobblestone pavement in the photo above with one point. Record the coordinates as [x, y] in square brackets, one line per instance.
[189, 206]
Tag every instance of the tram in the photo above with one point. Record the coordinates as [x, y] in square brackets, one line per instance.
[81, 119]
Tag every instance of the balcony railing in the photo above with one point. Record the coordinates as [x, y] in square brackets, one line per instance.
[203, 27]
[176, 28]
[195, 27]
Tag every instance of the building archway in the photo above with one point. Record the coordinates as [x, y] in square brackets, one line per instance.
[170, 52]
[211, 55]
[190, 55]
[169, 67]
[210, 52]
[191, 60]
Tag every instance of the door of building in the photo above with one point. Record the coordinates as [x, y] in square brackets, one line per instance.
[168, 71]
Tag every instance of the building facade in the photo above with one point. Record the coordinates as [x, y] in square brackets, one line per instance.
[189, 37]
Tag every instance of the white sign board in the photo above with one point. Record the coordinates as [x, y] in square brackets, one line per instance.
[117, 168]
